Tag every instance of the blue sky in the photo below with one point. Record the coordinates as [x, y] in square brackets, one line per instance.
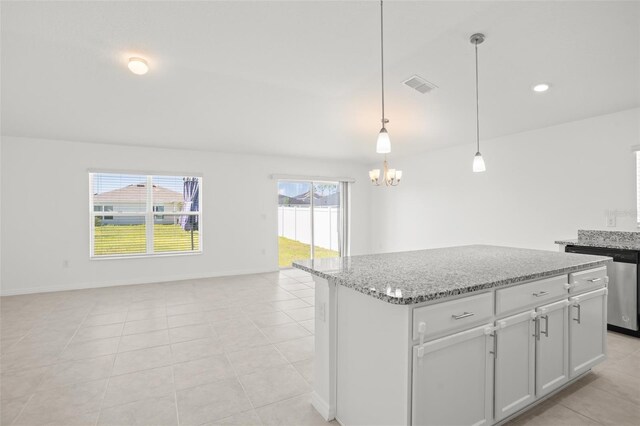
[292, 189]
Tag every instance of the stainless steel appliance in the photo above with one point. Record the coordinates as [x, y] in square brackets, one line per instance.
[624, 297]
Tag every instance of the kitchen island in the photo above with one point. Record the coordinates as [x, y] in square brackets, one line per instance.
[460, 335]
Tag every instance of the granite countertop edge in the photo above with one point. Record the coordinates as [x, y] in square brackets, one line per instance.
[599, 243]
[427, 297]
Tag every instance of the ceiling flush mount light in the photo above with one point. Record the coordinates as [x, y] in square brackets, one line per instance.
[542, 87]
[138, 66]
[391, 177]
[478, 161]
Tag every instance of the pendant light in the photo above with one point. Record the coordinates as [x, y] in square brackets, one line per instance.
[478, 161]
[390, 177]
[383, 146]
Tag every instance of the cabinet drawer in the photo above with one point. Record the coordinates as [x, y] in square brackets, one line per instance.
[590, 279]
[455, 314]
[530, 294]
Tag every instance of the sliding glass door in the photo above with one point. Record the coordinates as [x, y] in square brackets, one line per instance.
[326, 209]
[312, 220]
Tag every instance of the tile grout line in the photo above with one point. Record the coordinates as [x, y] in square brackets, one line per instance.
[611, 393]
[175, 390]
[244, 391]
[273, 344]
[173, 373]
[22, 409]
[113, 366]
[225, 351]
[42, 380]
[579, 413]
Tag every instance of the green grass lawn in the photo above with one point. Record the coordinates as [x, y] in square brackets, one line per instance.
[290, 250]
[131, 239]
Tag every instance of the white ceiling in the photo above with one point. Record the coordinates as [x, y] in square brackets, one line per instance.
[302, 78]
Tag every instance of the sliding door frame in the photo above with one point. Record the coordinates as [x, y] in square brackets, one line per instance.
[344, 209]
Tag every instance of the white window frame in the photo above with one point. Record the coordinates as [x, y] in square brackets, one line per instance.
[148, 214]
[344, 228]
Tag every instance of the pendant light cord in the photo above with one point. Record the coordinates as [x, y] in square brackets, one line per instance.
[477, 103]
[382, 57]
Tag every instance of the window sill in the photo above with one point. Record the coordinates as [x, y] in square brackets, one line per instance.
[145, 256]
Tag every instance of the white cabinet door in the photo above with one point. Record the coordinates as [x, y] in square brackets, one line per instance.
[587, 331]
[515, 364]
[452, 380]
[552, 347]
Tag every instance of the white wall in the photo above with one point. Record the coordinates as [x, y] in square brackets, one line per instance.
[46, 218]
[539, 186]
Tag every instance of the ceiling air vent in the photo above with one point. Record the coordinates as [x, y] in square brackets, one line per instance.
[420, 84]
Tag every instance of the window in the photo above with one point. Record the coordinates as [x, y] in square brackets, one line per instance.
[157, 209]
[312, 220]
[103, 209]
[136, 214]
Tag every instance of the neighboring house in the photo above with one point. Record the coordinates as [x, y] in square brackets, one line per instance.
[303, 199]
[132, 198]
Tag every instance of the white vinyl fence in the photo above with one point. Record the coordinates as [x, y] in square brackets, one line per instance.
[294, 222]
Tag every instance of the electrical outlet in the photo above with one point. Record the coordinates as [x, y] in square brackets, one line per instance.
[611, 221]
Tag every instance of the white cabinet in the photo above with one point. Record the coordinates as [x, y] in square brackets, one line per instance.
[552, 347]
[452, 379]
[535, 293]
[582, 281]
[587, 331]
[456, 315]
[514, 364]
[476, 359]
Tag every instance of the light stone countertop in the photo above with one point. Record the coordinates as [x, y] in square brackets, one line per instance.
[625, 240]
[418, 276]
[602, 244]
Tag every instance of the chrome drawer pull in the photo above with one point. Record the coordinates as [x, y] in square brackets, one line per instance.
[579, 313]
[462, 315]
[546, 326]
[594, 280]
[541, 293]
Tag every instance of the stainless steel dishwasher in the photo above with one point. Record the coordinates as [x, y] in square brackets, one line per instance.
[624, 297]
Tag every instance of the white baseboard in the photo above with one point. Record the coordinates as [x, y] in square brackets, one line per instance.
[115, 283]
[328, 413]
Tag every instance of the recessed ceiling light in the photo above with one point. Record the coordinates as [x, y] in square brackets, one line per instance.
[138, 66]
[542, 87]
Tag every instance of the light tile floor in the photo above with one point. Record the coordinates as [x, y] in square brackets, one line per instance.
[609, 395]
[233, 350]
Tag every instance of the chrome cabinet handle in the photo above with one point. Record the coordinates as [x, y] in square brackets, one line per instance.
[546, 326]
[536, 331]
[540, 293]
[579, 314]
[594, 280]
[462, 315]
